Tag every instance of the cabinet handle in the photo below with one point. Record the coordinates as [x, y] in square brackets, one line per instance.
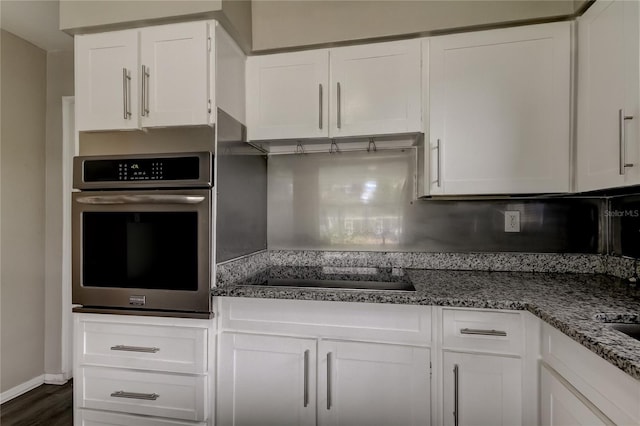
[126, 89]
[329, 359]
[135, 395]
[623, 140]
[306, 378]
[320, 106]
[455, 394]
[437, 181]
[339, 97]
[145, 91]
[481, 332]
[134, 349]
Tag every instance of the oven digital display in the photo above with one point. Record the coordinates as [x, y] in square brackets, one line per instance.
[142, 169]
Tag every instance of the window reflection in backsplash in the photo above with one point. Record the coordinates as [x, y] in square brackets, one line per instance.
[340, 200]
[365, 201]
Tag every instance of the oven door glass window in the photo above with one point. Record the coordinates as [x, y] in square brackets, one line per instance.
[150, 250]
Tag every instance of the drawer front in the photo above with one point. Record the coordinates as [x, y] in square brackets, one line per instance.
[102, 418]
[138, 392]
[482, 331]
[143, 346]
[375, 322]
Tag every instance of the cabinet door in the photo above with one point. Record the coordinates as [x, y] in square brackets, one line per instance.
[488, 390]
[562, 406]
[608, 84]
[373, 384]
[175, 83]
[106, 81]
[288, 95]
[499, 105]
[375, 89]
[266, 380]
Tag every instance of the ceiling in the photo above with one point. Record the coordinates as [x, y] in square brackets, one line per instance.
[35, 21]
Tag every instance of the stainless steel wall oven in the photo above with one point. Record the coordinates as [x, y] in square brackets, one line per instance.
[142, 233]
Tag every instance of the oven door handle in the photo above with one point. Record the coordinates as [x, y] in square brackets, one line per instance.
[141, 199]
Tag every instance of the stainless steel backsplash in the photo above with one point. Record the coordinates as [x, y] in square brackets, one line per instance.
[365, 201]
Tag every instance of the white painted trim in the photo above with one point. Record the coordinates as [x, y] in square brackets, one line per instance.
[69, 150]
[55, 379]
[21, 389]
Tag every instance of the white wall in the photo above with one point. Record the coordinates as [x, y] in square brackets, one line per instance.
[22, 235]
[59, 84]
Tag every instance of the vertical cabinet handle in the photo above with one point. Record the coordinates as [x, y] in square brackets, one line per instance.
[455, 394]
[623, 140]
[126, 93]
[306, 378]
[438, 164]
[329, 362]
[320, 106]
[339, 110]
[145, 91]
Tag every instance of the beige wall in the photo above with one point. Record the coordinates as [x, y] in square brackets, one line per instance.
[22, 235]
[59, 84]
[281, 24]
[77, 16]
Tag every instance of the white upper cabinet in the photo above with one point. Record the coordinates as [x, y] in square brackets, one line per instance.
[288, 95]
[608, 138]
[375, 89]
[499, 111]
[154, 76]
[106, 79]
[175, 75]
[363, 90]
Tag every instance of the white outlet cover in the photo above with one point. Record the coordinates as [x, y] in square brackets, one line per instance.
[512, 221]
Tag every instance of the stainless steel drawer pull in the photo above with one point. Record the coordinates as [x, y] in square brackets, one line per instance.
[329, 402]
[438, 182]
[623, 140]
[134, 349]
[135, 395]
[481, 332]
[320, 106]
[306, 378]
[456, 395]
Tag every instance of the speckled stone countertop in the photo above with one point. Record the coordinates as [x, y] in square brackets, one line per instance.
[575, 304]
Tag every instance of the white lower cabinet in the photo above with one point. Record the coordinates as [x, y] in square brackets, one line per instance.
[482, 389]
[266, 380]
[342, 364]
[373, 384]
[131, 370]
[271, 380]
[562, 405]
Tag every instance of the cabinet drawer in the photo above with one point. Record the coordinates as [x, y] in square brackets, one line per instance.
[138, 392]
[102, 418]
[374, 322]
[179, 349]
[482, 331]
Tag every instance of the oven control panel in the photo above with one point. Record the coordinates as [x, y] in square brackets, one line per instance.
[121, 172]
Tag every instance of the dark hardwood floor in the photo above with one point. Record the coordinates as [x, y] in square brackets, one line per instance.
[46, 405]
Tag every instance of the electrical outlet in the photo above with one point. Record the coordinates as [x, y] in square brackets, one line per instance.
[512, 221]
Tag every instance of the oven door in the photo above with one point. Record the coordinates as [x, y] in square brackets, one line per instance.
[146, 250]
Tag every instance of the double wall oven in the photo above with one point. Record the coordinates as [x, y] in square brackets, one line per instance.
[142, 234]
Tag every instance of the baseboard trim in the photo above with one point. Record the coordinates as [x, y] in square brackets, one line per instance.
[21, 388]
[55, 379]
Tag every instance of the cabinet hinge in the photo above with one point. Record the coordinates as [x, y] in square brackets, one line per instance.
[209, 103]
[430, 371]
[209, 44]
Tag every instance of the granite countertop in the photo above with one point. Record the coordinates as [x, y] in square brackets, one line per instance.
[575, 304]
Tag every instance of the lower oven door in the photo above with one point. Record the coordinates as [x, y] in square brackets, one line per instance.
[143, 249]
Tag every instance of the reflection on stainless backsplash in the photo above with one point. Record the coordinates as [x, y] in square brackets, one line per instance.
[365, 201]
